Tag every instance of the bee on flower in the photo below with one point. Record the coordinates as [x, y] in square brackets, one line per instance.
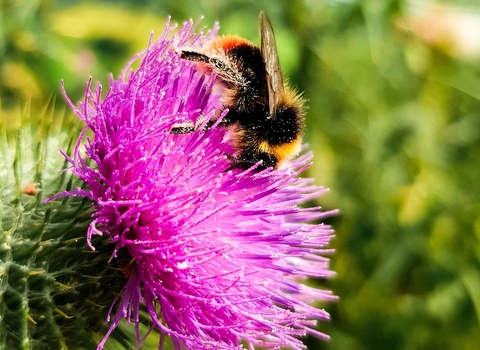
[209, 211]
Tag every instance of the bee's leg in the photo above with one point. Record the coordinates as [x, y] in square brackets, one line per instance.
[226, 121]
[224, 72]
[209, 125]
[218, 64]
[183, 128]
[194, 56]
[188, 127]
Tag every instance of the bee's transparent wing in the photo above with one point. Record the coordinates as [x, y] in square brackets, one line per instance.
[269, 51]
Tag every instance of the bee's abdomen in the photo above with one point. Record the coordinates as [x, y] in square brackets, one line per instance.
[285, 126]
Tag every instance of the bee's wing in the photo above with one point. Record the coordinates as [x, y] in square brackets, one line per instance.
[268, 48]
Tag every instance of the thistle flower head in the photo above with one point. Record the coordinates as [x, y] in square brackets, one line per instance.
[217, 254]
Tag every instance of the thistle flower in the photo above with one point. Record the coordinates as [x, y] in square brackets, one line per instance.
[216, 254]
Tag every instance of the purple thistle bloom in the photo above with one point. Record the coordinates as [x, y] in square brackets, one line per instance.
[217, 254]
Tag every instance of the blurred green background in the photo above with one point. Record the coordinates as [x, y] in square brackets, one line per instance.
[393, 90]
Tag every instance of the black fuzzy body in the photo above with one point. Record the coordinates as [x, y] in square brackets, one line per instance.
[259, 135]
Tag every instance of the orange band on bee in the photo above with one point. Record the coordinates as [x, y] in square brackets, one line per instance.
[285, 150]
[228, 42]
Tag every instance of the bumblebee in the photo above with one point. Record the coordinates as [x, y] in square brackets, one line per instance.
[265, 116]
